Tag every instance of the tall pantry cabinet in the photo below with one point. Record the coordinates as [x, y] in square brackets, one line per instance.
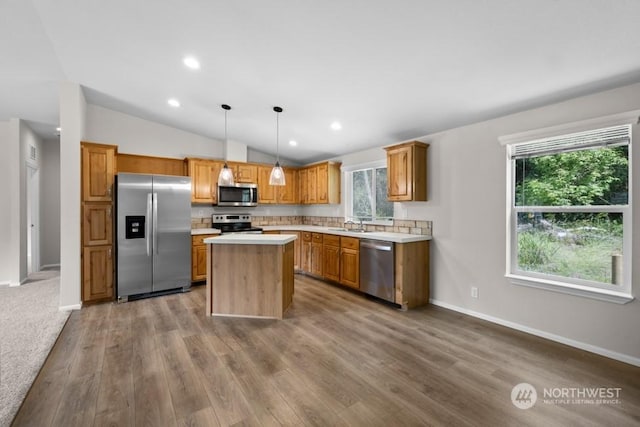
[97, 210]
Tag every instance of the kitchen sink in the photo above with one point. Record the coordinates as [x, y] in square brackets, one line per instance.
[353, 230]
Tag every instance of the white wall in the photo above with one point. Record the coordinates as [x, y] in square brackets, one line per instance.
[50, 203]
[467, 204]
[133, 135]
[9, 194]
[73, 110]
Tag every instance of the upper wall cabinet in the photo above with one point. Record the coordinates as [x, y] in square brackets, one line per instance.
[320, 183]
[286, 194]
[407, 172]
[244, 172]
[204, 180]
[98, 166]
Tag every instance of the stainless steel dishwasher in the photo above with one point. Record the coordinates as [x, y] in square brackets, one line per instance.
[377, 268]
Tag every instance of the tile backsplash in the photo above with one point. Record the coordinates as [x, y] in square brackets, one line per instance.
[407, 226]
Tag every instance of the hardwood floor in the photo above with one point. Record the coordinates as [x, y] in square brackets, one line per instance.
[338, 358]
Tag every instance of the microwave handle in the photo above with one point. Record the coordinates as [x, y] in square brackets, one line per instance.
[254, 194]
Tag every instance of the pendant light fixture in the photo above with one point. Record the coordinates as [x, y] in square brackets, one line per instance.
[277, 174]
[226, 175]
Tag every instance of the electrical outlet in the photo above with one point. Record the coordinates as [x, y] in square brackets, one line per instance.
[474, 292]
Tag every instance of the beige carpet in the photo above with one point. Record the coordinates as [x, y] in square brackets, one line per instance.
[30, 322]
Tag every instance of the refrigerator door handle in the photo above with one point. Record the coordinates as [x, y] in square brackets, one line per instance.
[148, 225]
[155, 223]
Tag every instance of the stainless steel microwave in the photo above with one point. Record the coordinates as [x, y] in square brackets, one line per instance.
[238, 195]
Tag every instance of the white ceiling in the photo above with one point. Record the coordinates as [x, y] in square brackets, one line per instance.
[387, 70]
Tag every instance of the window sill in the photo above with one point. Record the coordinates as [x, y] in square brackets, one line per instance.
[571, 289]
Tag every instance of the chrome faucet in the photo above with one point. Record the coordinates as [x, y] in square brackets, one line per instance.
[360, 227]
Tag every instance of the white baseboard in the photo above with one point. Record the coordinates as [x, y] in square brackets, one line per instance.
[15, 284]
[70, 307]
[44, 267]
[553, 337]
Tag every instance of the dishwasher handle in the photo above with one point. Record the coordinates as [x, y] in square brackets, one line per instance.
[377, 246]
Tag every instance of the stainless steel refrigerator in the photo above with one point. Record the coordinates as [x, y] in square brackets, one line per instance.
[154, 234]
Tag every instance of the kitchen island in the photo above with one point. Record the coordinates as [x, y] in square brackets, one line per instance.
[249, 275]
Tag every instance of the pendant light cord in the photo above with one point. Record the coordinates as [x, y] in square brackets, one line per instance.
[277, 137]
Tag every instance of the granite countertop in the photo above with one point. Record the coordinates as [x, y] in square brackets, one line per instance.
[374, 235]
[251, 239]
[199, 231]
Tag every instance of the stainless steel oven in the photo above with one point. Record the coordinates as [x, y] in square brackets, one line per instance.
[238, 195]
[234, 223]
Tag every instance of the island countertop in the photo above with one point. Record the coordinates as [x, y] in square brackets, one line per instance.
[251, 239]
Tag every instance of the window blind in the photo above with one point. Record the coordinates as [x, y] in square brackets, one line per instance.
[611, 136]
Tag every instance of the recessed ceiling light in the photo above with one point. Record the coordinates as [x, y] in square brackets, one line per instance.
[293, 143]
[174, 102]
[191, 62]
[336, 126]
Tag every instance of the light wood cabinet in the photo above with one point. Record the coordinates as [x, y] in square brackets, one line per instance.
[289, 193]
[303, 179]
[266, 193]
[97, 224]
[271, 194]
[246, 173]
[305, 252]
[337, 258]
[312, 185]
[204, 180]
[320, 184]
[98, 168]
[97, 273]
[331, 257]
[316, 254]
[407, 172]
[412, 273]
[199, 257]
[350, 261]
[133, 163]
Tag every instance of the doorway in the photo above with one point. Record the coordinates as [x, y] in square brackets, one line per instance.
[33, 219]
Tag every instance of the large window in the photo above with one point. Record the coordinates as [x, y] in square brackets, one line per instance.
[570, 220]
[368, 188]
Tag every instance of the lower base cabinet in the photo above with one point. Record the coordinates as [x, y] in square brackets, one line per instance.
[316, 254]
[305, 252]
[322, 256]
[331, 257]
[199, 257]
[350, 262]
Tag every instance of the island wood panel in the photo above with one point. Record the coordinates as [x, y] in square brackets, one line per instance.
[412, 274]
[288, 277]
[249, 280]
[133, 163]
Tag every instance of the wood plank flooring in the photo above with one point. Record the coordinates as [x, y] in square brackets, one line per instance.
[338, 358]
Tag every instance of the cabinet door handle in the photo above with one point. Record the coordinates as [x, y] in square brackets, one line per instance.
[109, 191]
[109, 213]
[109, 253]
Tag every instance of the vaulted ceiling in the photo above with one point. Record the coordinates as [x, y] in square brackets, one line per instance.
[388, 71]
